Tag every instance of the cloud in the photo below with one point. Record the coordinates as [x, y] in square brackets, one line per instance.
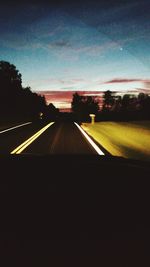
[67, 95]
[117, 80]
[66, 50]
[59, 44]
[63, 35]
[68, 37]
[71, 88]
[59, 84]
[94, 50]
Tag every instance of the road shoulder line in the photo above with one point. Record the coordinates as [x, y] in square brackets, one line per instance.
[97, 149]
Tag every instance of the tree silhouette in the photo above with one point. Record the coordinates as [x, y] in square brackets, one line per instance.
[126, 102]
[10, 78]
[82, 106]
[144, 105]
[77, 106]
[16, 101]
[91, 105]
[128, 107]
[117, 104]
[108, 100]
[51, 112]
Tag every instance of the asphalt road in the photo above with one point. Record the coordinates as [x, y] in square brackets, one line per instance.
[59, 138]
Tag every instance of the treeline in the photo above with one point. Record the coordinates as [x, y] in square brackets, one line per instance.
[17, 102]
[114, 107]
[125, 108]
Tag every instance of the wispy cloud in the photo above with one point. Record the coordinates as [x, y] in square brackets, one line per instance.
[59, 44]
[74, 52]
[63, 84]
[118, 80]
[96, 49]
[65, 36]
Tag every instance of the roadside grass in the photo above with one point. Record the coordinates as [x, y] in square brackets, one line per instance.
[125, 139]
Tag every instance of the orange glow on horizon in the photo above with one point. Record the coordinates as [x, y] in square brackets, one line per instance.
[62, 99]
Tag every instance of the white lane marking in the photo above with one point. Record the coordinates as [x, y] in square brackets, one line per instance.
[98, 150]
[17, 126]
[20, 148]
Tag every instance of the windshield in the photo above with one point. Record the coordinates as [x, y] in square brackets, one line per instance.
[75, 78]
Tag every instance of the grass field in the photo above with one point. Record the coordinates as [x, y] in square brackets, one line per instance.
[126, 139]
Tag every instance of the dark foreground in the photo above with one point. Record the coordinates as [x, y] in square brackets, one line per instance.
[74, 211]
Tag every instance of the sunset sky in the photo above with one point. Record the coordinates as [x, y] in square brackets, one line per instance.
[72, 46]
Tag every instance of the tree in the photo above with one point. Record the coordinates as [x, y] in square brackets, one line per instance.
[76, 103]
[117, 104]
[92, 105]
[10, 88]
[144, 105]
[31, 104]
[51, 112]
[126, 102]
[108, 100]
[10, 78]
[82, 106]
[77, 106]
[16, 101]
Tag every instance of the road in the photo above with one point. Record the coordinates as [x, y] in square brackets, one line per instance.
[45, 138]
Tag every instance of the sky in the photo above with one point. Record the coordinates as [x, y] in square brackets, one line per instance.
[69, 46]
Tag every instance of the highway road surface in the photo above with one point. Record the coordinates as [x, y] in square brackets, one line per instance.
[47, 138]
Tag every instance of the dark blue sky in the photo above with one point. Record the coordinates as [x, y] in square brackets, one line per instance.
[78, 46]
